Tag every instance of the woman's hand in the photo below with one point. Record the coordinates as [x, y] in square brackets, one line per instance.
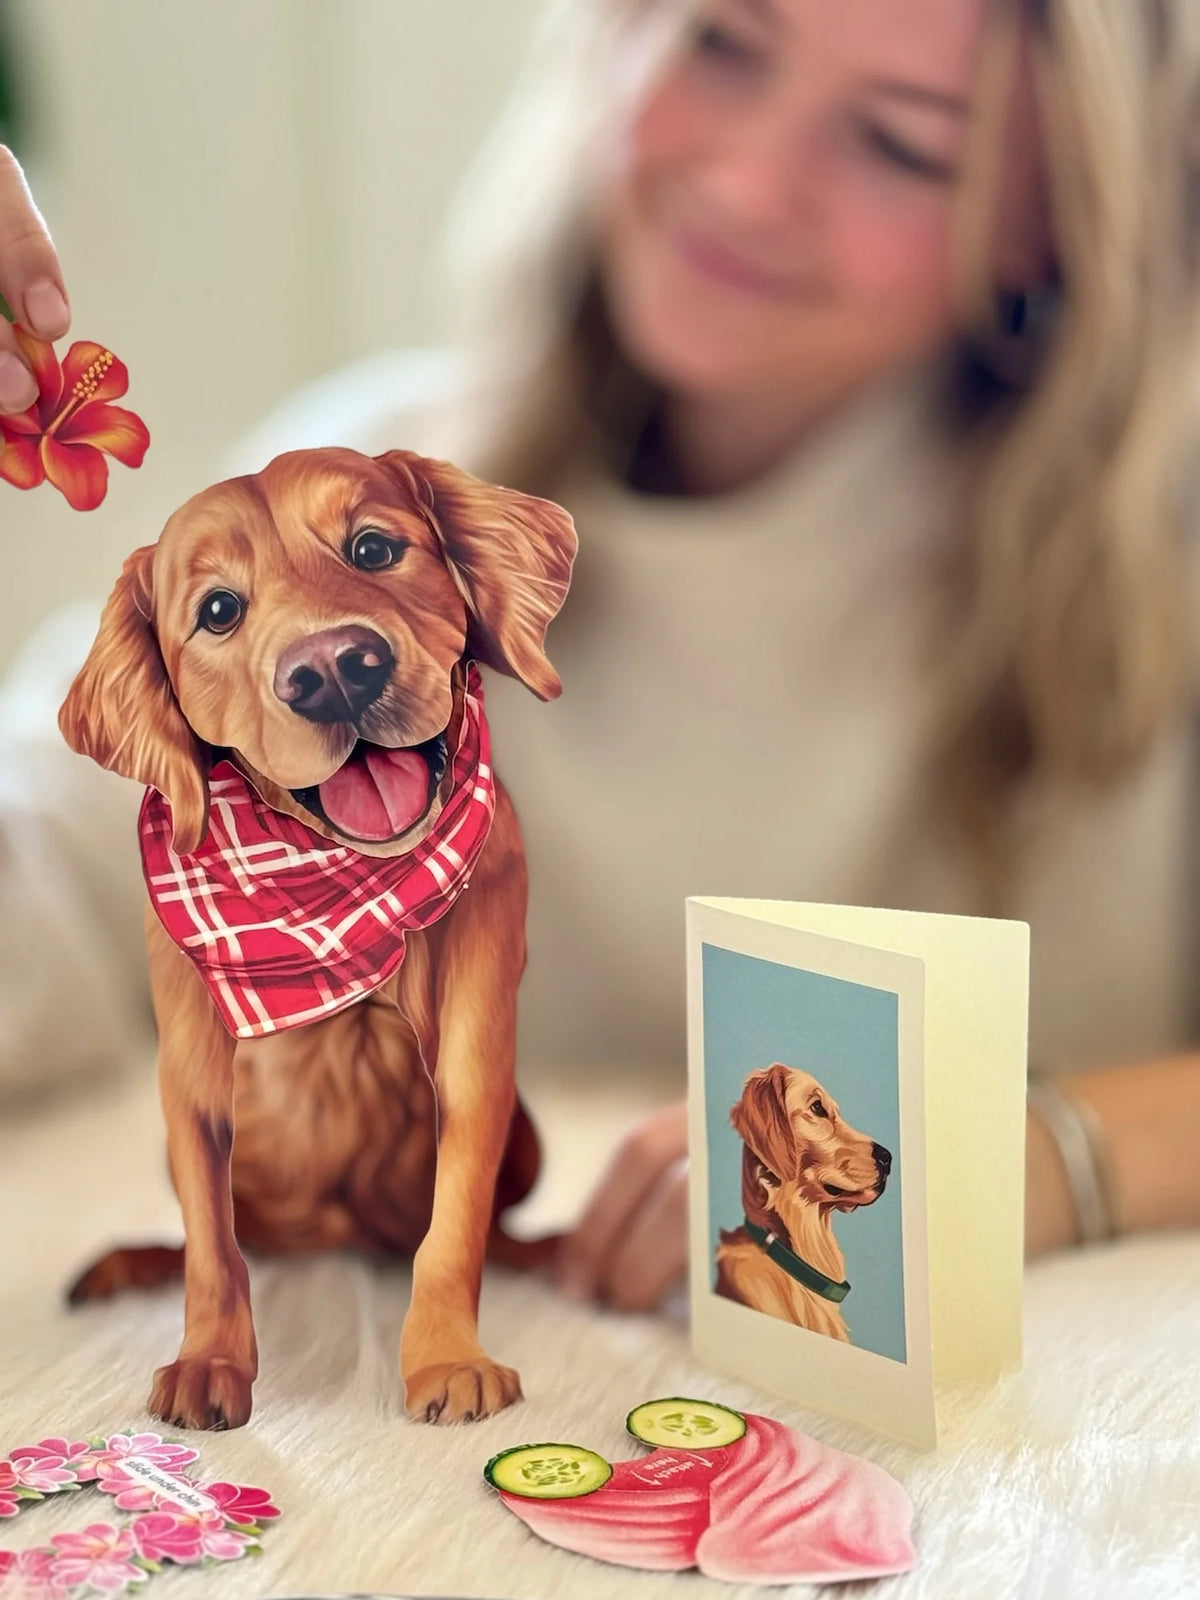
[631, 1246]
[1149, 1115]
[30, 281]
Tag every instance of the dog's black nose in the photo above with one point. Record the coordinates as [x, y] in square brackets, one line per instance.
[334, 676]
[883, 1159]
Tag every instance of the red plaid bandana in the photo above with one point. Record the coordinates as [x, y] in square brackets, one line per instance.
[286, 927]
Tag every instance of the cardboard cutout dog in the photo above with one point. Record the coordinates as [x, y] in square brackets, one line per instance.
[291, 671]
[801, 1162]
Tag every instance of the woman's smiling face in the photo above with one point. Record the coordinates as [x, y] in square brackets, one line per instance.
[785, 208]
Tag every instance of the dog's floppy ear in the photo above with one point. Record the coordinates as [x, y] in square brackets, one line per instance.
[760, 1119]
[511, 556]
[122, 711]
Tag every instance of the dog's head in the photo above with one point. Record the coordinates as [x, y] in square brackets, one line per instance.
[800, 1150]
[308, 620]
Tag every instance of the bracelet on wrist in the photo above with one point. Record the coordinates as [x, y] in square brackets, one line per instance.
[1083, 1149]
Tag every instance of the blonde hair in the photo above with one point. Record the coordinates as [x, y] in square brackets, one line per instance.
[1064, 649]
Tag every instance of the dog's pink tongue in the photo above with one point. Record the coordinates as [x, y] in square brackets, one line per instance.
[378, 794]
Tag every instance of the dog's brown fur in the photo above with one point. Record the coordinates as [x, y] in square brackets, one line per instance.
[796, 1144]
[395, 1125]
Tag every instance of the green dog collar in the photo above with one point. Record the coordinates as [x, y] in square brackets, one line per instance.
[827, 1288]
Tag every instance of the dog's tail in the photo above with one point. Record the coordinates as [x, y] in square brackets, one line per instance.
[522, 1255]
[145, 1266]
[517, 1176]
[152, 1266]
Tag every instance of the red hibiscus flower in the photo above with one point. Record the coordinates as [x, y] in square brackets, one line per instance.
[64, 434]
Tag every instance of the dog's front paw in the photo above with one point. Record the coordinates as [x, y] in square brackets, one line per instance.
[460, 1391]
[201, 1392]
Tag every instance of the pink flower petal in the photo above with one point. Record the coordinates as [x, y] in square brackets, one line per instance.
[62, 1449]
[242, 1504]
[163, 1536]
[226, 1545]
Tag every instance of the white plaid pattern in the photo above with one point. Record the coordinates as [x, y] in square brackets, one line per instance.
[286, 927]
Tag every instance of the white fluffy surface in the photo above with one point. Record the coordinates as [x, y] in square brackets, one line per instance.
[1078, 1478]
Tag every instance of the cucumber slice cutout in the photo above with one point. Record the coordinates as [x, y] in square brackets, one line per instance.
[685, 1424]
[548, 1471]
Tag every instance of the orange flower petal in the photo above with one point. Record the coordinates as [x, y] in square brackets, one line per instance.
[78, 471]
[22, 423]
[87, 361]
[46, 370]
[20, 463]
[122, 433]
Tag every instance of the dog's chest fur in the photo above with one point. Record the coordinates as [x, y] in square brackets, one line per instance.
[335, 1134]
[747, 1274]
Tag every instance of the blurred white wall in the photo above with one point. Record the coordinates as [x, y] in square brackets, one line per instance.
[244, 194]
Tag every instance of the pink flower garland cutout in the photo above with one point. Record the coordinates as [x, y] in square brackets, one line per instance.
[143, 1473]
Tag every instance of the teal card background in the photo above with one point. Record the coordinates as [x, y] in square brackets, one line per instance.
[846, 1035]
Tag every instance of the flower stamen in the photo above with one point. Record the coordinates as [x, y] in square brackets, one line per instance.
[83, 388]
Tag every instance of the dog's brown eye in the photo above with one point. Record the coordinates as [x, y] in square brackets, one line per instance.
[221, 611]
[372, 551]
[818, 1109]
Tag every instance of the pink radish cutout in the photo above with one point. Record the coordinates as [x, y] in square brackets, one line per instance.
[774, 1507]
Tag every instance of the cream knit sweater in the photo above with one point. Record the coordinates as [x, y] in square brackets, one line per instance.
[743, 714]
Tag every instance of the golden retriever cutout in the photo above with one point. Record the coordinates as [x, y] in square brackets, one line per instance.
[801, 1162]
[309, 623]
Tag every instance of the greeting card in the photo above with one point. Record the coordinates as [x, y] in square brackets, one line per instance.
[857, 1137]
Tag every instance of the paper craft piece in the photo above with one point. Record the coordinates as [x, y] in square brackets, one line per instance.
[332, 669]
[66, 433]
[685, 1424]
[173, 1518]
[265, 893]
[856, 1137]
[771, 1507]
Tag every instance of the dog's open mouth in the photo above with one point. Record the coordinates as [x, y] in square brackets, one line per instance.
[856, 1197]
[378, 794]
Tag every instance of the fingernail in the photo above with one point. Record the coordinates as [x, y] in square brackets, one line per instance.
[17, 388]
[46, 310]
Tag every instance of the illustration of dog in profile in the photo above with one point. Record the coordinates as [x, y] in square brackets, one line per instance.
[801, 1162]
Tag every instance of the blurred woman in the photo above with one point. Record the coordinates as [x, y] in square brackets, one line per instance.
[861, 343]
